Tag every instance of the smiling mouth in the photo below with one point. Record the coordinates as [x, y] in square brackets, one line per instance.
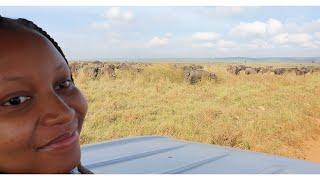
[61, 142]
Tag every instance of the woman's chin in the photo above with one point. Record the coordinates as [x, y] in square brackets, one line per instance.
[63, 167]
[60, 162]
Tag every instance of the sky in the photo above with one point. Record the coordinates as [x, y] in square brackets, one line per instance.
[178, 32]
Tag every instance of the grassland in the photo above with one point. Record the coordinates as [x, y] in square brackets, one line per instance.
[262, 112]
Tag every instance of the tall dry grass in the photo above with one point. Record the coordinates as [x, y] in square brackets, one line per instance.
[265, 113]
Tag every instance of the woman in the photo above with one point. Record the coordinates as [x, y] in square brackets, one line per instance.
[41, 110]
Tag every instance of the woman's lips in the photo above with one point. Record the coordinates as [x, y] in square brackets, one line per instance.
[61, 142]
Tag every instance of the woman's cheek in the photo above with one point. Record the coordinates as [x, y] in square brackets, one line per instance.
[79, 103]
[15, 135]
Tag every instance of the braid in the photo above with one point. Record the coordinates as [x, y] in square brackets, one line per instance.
[39, 29]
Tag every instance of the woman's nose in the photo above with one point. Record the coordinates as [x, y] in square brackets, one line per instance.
[55, 111]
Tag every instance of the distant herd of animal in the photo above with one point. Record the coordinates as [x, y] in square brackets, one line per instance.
[96, 69]
[192, 73]
[303, 70]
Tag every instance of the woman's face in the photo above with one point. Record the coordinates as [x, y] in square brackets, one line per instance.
[41, 111]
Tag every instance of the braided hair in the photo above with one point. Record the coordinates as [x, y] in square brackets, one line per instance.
[29, 24]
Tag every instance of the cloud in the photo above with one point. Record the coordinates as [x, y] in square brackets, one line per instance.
[157, 41]
[101, 25]
[114, 16]
[168, 35]
[297, 39]
[273, 33]
[209, 40]
[249, 29]
[246, 37]
[300, 38]
[203, 45]
[281, 38]
[112, 13]
[226, 44]
[274, 26]
[317, 35]
[257, 28]
[259, 44]
[205, 36]
[220, 44]
[312, 26]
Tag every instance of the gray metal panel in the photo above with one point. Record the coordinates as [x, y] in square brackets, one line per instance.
[163, 155]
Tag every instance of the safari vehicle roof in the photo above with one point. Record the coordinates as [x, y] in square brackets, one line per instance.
[163, 155]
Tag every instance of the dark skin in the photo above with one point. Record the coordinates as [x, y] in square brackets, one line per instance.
[38, 102]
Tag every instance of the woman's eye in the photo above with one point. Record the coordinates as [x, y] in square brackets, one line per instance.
[16, 100]
[64, 84]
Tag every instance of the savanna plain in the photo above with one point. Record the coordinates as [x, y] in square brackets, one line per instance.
[262, 112]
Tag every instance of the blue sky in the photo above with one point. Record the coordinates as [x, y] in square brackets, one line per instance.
[178, 32]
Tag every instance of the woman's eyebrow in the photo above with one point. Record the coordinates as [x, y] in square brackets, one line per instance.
[14, 78]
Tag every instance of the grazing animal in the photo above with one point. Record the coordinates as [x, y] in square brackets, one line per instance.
[110, 70]
[263, 70]
[234, 69]
[291, 70]
[195, 76]
[131, 67]
[302, 71]
[279, 71]
[91, 71]
[97, 62]
[195, 67]
[124, 66]
[237, 69]
[250, 70]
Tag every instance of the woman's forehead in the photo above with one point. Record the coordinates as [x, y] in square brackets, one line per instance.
[20, 47]
[26, 51]
[12, 38]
